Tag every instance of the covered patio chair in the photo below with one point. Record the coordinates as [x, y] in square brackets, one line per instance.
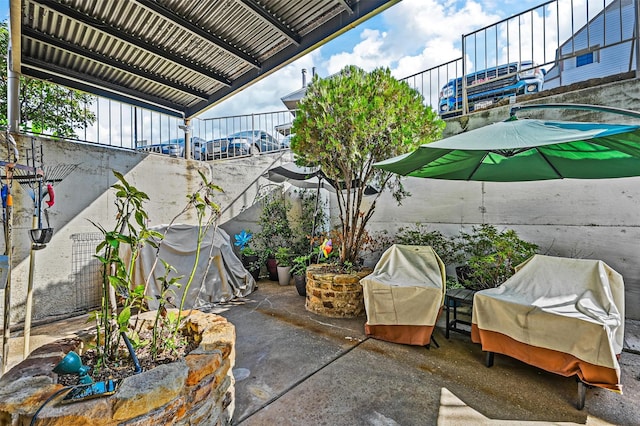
[565, 316]
[404, 295]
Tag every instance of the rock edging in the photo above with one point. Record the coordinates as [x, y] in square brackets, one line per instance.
[198, 389]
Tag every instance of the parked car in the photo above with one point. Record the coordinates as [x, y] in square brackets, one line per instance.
[175, 148]
[285, 143]
[247, 142]
[487, 87]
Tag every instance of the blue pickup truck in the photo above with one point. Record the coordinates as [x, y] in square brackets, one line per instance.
[488, 86]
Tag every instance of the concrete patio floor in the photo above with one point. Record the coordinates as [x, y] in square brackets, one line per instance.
[297, 368]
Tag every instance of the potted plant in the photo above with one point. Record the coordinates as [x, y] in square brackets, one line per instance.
[129, 235]
[373, 117]
[298, 271]
[345, 124]
[275, 229]
[248, 255]
[283, 257]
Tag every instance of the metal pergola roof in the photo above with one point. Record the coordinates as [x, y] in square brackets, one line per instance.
[177, 57]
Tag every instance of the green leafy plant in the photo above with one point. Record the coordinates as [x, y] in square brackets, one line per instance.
[447, 248]
[129, 229]
[275, 228]
[300, 264]
[346, 123]
[312, 222]
[45, 107]
[283, 256]
[492, 255]
[121, 294]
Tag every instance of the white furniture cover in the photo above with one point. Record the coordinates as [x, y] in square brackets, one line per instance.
[574, 307]
[219, 277]
[406, 288]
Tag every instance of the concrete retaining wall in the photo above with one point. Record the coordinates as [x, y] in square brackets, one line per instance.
[598, 219]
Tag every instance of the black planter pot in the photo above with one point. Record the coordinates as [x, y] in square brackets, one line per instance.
[250, 262]
[301, 284]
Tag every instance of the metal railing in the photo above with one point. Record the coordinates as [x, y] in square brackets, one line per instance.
[571, 42]
[242, 135]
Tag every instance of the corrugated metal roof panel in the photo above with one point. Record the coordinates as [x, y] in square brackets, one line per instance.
[177, 56]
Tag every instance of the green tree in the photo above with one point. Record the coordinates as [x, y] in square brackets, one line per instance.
[349, 121]
[45, 107]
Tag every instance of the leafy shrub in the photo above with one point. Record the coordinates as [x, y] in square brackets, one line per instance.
[492, 255]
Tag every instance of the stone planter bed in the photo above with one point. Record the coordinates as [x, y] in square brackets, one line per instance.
[198, 389]
[335, 295]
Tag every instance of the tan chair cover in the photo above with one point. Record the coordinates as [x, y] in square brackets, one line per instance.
[571, 309]
[404, 294]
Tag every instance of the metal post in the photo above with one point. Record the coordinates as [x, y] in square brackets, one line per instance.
[13, 116]
[7, 290]
[465, 103]
[187, 137]
[13, 89]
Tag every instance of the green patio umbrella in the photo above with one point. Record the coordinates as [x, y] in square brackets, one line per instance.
[527, 150]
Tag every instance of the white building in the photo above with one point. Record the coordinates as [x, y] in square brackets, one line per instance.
[603, 47]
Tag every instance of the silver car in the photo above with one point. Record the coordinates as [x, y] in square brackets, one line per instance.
[175, 148]
[247, 142]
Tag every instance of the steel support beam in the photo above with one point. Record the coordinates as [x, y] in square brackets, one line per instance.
[267, 17]
[200, 32]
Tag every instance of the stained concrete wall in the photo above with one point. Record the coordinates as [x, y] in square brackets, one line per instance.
[84, 196]
[592, 219]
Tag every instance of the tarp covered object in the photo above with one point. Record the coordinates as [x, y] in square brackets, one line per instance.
[404, 294]
[219, 276]
[563, 315]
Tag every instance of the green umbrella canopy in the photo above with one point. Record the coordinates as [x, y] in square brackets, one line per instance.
[526, 150]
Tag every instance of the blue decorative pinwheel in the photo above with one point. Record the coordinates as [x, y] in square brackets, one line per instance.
[242, 239]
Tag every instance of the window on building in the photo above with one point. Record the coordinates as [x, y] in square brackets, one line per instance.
[584, 59]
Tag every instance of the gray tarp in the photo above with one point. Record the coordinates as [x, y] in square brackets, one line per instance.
[219, 276]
